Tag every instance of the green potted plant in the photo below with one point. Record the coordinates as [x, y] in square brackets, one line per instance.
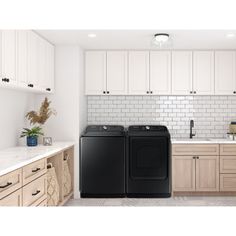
[39, 118]
[32, 135]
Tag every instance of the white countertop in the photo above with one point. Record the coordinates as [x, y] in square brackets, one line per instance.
[16, 157]
[202, 141]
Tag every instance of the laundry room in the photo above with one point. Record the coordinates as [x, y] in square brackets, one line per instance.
[116, 116]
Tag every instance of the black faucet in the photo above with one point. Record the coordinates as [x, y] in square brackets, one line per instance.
[191, 129]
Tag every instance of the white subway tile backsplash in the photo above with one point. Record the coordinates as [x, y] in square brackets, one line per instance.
[211, 114]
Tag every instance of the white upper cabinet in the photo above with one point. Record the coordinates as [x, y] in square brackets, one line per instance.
[138, 65]
[26, 61]
[182, 72]
[116, 72]
[33, 50]
[8, 57]
[203, 72]
[160, 72]
[42, 80]
[95, 72]
[49, 74]
[225, 81]
[45, 65]
[22, 58]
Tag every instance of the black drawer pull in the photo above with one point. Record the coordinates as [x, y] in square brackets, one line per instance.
[36, 170]
[36, 193]
[30, 85]
[6, 185]
[5, 80]
[48, 89]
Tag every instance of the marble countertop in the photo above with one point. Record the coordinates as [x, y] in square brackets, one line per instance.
[203, 141]
[17, 157]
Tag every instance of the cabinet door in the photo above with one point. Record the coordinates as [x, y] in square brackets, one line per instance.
[183, 173]
[116, 72]
[182, 72]
[95, 72]
[207, 173]
[13, 200]
[33, 48]
[225, 81]
[138, 72]
[50, 67]
[9, 55]
[42, 80]
[22, 55]
[160, 72]
[203, 72]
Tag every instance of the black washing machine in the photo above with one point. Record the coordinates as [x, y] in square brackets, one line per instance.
[148, 162]
[102, 161]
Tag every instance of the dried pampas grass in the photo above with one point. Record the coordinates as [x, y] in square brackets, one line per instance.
[42, 116]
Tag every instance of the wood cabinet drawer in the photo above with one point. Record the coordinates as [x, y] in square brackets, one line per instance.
[10, 182]
[14, 199]
[43, 203]
[228, 164]
[228, 149]
[34, 170]
[195, 149]
[34, 191]
[228, 182]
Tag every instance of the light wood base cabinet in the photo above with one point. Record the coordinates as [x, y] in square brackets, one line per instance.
[214, 173]
[195, 168]
[34, 191]
[228, 164]
[27, 186]
[10, 182]
[195, 173]
[14, 199]
[207, 173]
[183, 173]
[227, 182]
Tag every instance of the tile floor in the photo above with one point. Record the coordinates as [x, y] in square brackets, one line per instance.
[174, 201]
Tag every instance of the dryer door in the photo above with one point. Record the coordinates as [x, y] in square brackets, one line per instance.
[148, 158]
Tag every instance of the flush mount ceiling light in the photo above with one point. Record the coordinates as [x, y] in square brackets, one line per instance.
[92, 35]
[161, 39]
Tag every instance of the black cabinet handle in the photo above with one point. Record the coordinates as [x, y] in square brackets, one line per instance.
[36, 193]
[191, 92]
[6, 185]
[194, 92]
[234, 92]
[147, 92]
[150, 91]
[5, 80]
[48, 89]
[36, 170]
[104, 92]
[108, 92]
[30, 85]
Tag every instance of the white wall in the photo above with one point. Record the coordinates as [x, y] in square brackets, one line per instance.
[68, 100]
[13, 107]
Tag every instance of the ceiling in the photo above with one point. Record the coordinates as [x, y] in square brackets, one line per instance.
[141, 39]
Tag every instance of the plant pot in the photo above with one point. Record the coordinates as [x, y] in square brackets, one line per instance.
[32, 141]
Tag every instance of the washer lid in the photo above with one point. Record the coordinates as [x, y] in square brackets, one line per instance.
[104, 130]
